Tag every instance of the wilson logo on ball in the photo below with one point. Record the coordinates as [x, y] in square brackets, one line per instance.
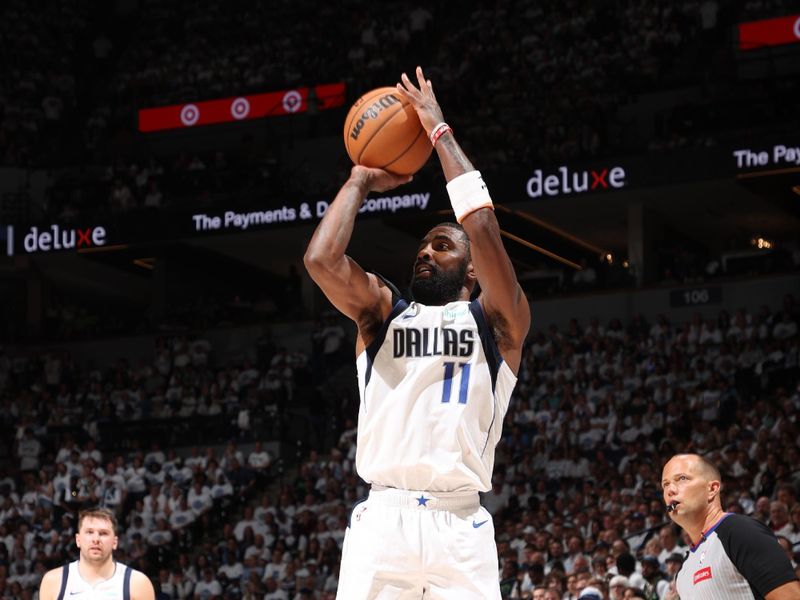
[382, 130]
[372, 112]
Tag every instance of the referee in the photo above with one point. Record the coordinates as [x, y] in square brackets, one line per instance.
[732, 556]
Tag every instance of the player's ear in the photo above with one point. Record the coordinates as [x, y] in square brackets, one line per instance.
[472, 275]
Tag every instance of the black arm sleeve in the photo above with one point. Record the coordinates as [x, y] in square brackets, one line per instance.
[756, 554]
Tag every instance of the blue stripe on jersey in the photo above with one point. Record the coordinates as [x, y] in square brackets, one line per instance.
[372, 349]
[64, 577]
[492, 354]
[493, 358]
[126, 584]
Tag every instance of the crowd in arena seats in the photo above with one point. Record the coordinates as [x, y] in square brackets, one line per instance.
[186, 180]
[581, 63]
[38, 81]
[575, 499]
[164, 504]
[76, 436]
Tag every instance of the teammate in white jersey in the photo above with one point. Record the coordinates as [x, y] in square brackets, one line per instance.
[436, 374]
[96, 575]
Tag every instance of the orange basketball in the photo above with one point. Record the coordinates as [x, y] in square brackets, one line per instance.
[382, 130]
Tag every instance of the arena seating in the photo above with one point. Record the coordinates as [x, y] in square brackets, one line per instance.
[206, 506]
[598, 409]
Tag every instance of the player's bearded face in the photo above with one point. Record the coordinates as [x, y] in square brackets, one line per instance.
[440, 286]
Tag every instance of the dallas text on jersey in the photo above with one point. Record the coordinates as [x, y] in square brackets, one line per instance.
[433, 341]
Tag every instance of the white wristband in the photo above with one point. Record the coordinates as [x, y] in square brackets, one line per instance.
[467, 194]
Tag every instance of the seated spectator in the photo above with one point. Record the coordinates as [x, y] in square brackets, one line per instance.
[208, 587]
[259, 459]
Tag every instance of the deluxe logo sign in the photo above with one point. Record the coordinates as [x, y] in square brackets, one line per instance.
[575, 182]
[780, 155]
[48, 239]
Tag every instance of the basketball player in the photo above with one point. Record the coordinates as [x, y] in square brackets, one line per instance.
[96, 574]
[435, 374]
[732, 556]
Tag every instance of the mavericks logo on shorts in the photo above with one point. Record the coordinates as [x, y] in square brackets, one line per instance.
[702, 575]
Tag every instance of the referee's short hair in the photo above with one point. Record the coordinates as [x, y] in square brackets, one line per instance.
[707, 468]
[710, 469]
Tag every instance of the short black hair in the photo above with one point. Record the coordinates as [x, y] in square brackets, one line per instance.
[626, 562]
[458, 227]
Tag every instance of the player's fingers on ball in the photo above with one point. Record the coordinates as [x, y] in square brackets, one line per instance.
[420, 77]
[430, 89]
[407, 95]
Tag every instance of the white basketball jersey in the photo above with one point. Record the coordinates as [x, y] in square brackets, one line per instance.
[117, 587]
[434, 391]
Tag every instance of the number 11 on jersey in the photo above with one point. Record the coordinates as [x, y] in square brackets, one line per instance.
[447, 384]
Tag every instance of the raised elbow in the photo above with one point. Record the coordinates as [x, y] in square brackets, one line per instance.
[315, 261]
[310, 259]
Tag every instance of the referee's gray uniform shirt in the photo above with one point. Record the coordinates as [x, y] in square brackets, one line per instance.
[738, 557]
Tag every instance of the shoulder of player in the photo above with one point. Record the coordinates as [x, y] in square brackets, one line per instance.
[51, 583]
[141, 586]
[53, 573]
[371, 318]
[508, 331]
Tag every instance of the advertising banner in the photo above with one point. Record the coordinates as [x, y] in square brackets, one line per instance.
[769, 32]
[241, 108]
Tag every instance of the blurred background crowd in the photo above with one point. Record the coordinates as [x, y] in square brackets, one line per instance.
[220, 428]
[576, 499]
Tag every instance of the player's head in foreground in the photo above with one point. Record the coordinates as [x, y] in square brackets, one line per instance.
[443, 270]
[97, 535]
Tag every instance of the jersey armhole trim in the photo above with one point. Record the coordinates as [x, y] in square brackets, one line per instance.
[126, 583]
[493, 357]
[64, 577]
[396, 295]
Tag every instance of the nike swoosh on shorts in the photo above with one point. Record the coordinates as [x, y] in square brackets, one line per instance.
[476, 525]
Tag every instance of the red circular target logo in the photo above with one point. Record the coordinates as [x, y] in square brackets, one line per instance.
[292, 101]
[240, 108]
[190, 114]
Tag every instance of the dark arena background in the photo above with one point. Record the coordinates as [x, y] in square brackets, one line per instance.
[163, 165]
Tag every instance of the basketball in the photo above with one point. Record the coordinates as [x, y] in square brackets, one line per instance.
[382, 130]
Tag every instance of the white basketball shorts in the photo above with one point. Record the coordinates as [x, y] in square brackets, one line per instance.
[407, 545]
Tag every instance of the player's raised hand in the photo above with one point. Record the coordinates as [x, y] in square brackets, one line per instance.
[377, 180]
[422, 98]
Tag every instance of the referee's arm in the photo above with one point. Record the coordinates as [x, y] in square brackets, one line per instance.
[756, 554]
[787, 591]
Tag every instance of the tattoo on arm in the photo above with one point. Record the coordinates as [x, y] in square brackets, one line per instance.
[456, 153]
